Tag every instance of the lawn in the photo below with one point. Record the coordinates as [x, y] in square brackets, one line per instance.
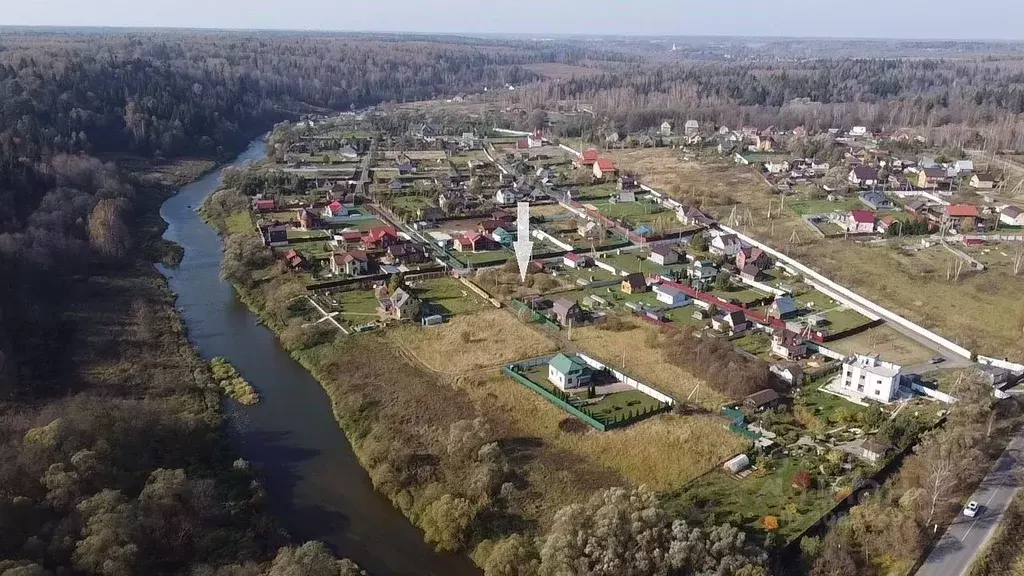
[807, 207]
[743, 295]
[448, 296]
[888, 343]
[631, 349]
[239, 223]
[467, 343]
[636, 261]
[844, 319]
[619, 406]
[316, 249]
[410, 204]
[628, 211]
[596, 192]
[681, 317]
[354, 306]
[719, 497]
[755, 342]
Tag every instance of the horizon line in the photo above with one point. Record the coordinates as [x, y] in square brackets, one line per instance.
[531, 35]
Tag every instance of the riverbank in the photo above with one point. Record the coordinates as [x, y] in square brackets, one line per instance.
[314, 482]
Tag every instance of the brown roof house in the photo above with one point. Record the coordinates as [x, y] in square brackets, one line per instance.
[353, 263]
[731, 322]
[762, 400]
[567, 312]
[788, 345]
[753, 256]
[635, 283]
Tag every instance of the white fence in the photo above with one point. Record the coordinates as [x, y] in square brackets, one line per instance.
[576, 153]
[537, 233]
[921, 193]
[1004, 364]
[931, 393]
[606, 267]
[510, 132]
[826, 352]
[495, 162]
[852, 299]
[640, 386]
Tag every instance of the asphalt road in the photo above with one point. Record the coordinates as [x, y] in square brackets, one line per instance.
[967, 537]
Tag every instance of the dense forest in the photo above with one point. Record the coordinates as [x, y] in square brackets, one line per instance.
[977, 102]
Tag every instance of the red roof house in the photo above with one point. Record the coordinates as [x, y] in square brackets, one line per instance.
[380, 237]
[963, 217]
[470, 242]
[604, 167]
[587, 159]
[266, 205]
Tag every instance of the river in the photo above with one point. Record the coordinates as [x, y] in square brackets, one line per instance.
[316, 486]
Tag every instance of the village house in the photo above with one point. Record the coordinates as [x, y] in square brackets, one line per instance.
[628, 182]
[886, 222]
[863, 176]
[1011, 216]
[776, 167]
[265, 205]
[567, 312]
[692, 216]
[876, 201]
[398, 306]
[728, 245]
[623, 196]
[731, 322]
[867, 449]
[506, 196]
[983, 181]
[334, 211]
[762, 400]
[568, 372]
[961, 168]
[703, 270]
[634, 283]
[753, 256]
[788, 345]
[487, 227]
[405, 253]
[931, 178]
[865, 376]
[275, 234]
[752, 273]
[308, 219]
[961, 217]
[348, 152]
[789, 372]
[295, 259]
[471, 242]
[352, 263]
[577, 261]
[503, 236]
[783, 308]
[691, 128]
[666, 129]
[380, 238]
[764, 144]
[604, 167]
[671, 295]
[860, 222]
[587, 159]
[664, 255]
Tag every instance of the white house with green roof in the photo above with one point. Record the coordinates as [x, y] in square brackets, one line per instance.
[568, 372]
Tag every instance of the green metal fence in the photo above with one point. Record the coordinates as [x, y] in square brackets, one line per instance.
[554, 399]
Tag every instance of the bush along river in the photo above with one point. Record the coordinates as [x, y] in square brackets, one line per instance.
[316, 486]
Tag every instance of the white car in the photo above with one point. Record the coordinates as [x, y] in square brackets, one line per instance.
[971, 510]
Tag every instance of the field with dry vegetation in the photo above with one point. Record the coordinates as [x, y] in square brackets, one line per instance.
[887, 343]
[466, 343]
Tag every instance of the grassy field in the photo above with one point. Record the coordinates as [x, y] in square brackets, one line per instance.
[983, 311]
[663, 452]
[239, 222]
[742, 294]
[485, 340]
[757, 343]
[447, 295]
[355, 306]
[890, 344]
[630, 350]
[804, 207]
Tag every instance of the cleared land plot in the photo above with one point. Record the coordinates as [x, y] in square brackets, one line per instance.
[417, 154]
[354, 306]
[662, 452]
[804, 207]
[890, 344]
[983, 311]
[744, 295]
[595, 192]
[636, 261]
[448, 296]
[630, 349]
[487, 339]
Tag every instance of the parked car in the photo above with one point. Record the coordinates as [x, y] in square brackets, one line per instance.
[971, 510]
[937, 360]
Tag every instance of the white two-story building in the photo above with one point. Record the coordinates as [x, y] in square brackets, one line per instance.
[867, 377]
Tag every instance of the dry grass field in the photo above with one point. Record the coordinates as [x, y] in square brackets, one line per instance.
[629, 350]
[662, 452]
[887, 343]
[467, 343]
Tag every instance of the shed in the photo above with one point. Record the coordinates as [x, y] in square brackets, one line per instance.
[762, 400]
[737, 464]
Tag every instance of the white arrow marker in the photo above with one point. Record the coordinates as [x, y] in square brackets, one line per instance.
[523, 246]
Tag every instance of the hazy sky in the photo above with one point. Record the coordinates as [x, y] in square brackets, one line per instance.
[977, 19]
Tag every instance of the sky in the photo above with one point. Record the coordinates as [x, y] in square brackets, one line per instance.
[929, 19]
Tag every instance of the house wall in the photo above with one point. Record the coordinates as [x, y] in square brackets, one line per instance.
[852, 299]
[932, 393]
[627, 380]
[878, 388]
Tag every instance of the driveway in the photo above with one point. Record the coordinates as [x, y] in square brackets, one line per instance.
[967, 537]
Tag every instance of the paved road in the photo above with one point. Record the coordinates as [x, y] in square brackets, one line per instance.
[966, 537]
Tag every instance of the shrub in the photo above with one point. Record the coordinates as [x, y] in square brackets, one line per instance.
[445, 520]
